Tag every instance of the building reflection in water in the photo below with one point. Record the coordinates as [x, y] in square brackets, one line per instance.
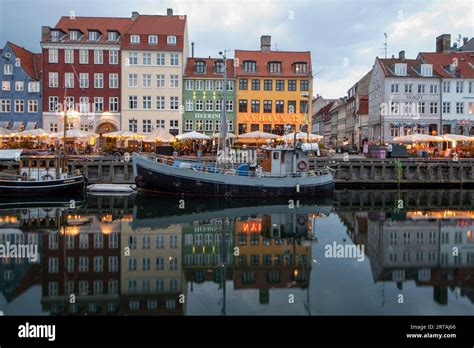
[121, 258]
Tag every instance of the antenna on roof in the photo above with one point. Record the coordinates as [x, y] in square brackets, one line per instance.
[385, 45]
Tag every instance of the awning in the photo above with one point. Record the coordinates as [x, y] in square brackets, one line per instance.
[30, 126]
[4, 124]
[9, 155]
[16, 126]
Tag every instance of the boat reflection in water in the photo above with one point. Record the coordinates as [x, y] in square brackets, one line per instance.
[154, 256]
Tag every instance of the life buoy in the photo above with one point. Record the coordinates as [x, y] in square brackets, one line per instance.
[302, 220]
[302, 165]
[47, 177]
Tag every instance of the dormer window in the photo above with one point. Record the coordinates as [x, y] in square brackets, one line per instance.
[135, 39]
[219, 67]
[73, 35]
[171, 40]
[112, 36]
[300, 68]
[274, 67]
[199, 67]
[153, 39]
[426, 70]
[55, 35]
[401, 69]
[250, 66]
[93, 35]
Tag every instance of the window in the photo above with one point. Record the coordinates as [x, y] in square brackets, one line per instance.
[446, 86]
[113, 104]
[274, 67]
[199, 85]
[174, 81]
[209, 85]
[433, 108]
[208, 125]
[459, 107]
[55, 35]
[53, 265]
[280, 85]
[112, 36]
[394, 87]
[427, 70]
[152, 39]
[147, 126]
[160, 103]
[132, 102]
[243, 105]
[84, 80]
[83, 264]
[292, 85]
[230, 85]
[171, 40]
[188, 125]
[132, 80]
[400, 69]
[19, 105]
[33, 86]
[292, 106]
[174, 103]
[267, 106]
[133, 58]
[242, 128]
[199, 67]
[250, 66]
[267, 85]
[99, 80]
[218, 85]
[53, 127]
[53, 55]
[230, 106]
[243, 84]
[255, 85]
[279, 106]
[98, 104]
[219, 66]
[408, 88]
[53, 80]
[32, 106]
[255, 106]
[209, 105]
[53, 103]
[189, 85]
[98, 264]
[446, 107]
[68, 56]
[132, 125]
[8, 69]
[218, 105]
[113, 57]
[300, 68]
[93, 35]
[69, 80]
[113, 80]
[147, 58]
[174, 124]
[83, 56]
[459, 86]
[146, 80]
[304, 106]
[146, 102]
[421, 89]
[4, 105]
[421, 108]
[304, 85]
[135, 39]
[160, 59]
[160, 81]
[433, 89]
[174, 59]
[98, 57]
[5, 85]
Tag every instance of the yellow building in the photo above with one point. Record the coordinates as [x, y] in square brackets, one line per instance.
[274, 89]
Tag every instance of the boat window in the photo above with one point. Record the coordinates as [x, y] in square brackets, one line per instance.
[275, 155]
[51, 163]
[33, 164]
[24, 163]
[42, 164]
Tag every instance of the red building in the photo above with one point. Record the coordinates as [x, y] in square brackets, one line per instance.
[81, 70]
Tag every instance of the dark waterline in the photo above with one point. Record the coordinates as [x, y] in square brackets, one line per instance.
[354, 252]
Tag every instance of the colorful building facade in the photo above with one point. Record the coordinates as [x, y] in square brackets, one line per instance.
[203, 93]
[274, 89]
[20, 101]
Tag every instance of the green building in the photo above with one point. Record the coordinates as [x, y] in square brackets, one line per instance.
[203, 95]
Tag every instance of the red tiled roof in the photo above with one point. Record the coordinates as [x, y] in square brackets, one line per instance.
[209, 72]
[389, 63]
[286, 58]
[156, 24]
[441, 61]
[86, 24]
[325, 109]
[30, 62]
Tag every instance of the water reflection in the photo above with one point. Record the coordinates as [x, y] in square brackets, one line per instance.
[156, 256]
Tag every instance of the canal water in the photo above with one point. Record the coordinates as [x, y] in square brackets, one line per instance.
[351, 253]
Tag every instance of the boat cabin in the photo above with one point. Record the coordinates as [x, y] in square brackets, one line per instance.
[40, 168]
[281, 161]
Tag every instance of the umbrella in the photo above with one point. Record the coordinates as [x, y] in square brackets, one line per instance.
[302, 135]
[124, 134]
[34, 133]
[160, 134]
[5, 133]
[258, 135]
[456, 137]
[74, 133]
[192, 136]
[418, 138]
[230, 135]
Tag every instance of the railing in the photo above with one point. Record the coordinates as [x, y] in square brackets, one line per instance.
[198, 166]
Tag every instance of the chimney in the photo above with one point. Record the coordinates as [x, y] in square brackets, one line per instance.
[401, 55]
[443, 43]
[135, 15]
[465, 40]
[192, 49]
[169, 12]
[44, 32]
[266, 43]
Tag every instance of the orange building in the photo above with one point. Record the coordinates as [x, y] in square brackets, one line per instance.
[273, 89]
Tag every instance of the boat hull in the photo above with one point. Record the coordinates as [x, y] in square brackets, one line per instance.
[158, 177]
[76, 184]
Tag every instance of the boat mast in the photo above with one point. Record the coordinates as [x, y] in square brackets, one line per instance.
[224, 139]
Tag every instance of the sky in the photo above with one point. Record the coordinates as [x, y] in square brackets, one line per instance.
[344, 36]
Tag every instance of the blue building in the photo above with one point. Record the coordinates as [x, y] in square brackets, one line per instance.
[21, 94]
